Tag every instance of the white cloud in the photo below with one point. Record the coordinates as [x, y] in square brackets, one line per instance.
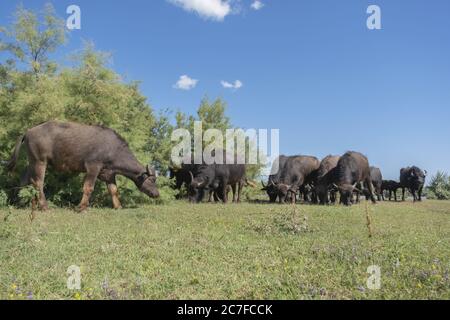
[236, 85]
[185, 83]
[257, 5]
[210, 9]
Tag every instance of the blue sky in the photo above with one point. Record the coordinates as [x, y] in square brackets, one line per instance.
[308, 67]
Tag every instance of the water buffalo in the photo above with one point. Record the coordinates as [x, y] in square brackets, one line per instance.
[182, 175]
[413, 179]
[297, 171]
[377, 180]
[217, 177]
[75, 148]
[325, 178]
[391, 186]
[274, 178]
[352, 169]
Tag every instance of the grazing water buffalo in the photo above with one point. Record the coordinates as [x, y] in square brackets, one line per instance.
[71, 147]
[377, 181]
[182, 175]
[352, 168]
[325, 178]
[217, 177]
[297, 171]
[274, 178]
[413, 179]
[391, 186]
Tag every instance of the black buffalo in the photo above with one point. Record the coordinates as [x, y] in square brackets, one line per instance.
[217, 178]
[391, 186]
[377, 181]
[325, 177]
[274, 178]
[352, 169]
[296, 172]
[413, 179]
[182, 175]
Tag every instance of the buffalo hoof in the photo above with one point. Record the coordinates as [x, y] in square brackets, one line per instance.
[82, 209]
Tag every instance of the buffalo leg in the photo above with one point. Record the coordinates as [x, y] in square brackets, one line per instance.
[413, 191]
[357, 196]
[332, 197]
[233, 188]
[36, 176]
[240, 187]
[224, 191]
[403, 194]
[114, 192]
[88, 187]
[395, 195]
[370, 187]
[420, 193]
[211, 195]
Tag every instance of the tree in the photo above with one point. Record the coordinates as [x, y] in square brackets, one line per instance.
[34, 36]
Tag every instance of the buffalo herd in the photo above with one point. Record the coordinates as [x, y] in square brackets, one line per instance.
[345, 177]
[102, 154]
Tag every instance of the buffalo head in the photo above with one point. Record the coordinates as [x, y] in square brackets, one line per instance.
[346, 192]
[147, 183]
[285, 192]
[197, 187]
[271, 190]
[417, 176]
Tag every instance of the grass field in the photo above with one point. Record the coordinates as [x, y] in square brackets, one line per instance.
[246, 251]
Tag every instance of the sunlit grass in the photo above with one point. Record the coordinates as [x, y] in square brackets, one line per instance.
[246, 251]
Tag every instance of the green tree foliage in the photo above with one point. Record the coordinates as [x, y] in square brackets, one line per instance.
[33, 36]
[439, 187]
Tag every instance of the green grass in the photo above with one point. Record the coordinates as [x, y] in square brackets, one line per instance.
[246, 251]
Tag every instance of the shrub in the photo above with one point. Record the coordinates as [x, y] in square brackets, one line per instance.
[439, 187]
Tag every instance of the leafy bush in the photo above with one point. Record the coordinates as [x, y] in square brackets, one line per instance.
[26, 195]
[439, 187]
